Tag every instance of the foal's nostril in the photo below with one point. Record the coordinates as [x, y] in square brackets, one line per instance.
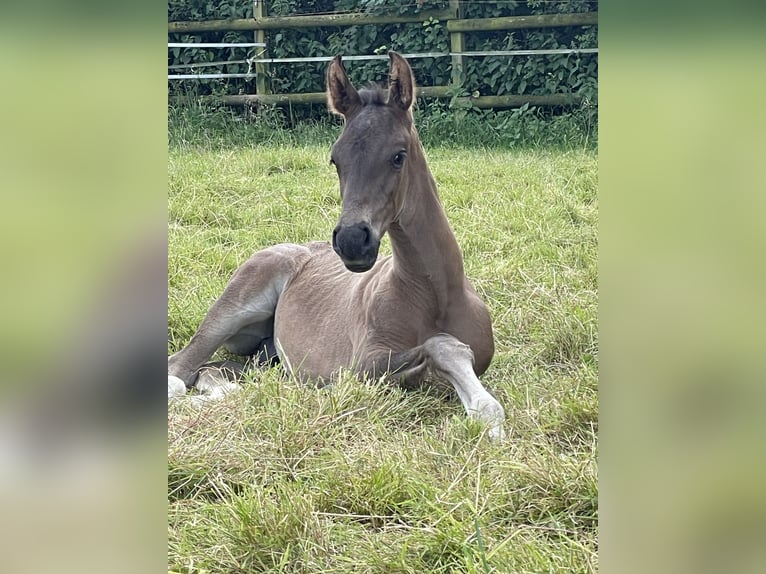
[365, 234]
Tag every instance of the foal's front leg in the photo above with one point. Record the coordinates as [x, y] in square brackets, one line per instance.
[452, 360]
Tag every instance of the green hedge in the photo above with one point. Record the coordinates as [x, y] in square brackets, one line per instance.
[575, 73]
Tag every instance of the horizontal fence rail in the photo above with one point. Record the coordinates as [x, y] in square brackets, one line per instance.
[206, 45]
[216, 45]
[278, 22]
[456, 25]
[522, 22]
[362, 58]
[250, 75]
[453, 25]
[504, 101]
[208, 64]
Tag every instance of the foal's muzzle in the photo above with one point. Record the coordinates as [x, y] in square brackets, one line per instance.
[356, 245]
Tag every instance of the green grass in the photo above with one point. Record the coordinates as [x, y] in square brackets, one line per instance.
[360, 477]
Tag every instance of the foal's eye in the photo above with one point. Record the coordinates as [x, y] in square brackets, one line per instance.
[398, 159]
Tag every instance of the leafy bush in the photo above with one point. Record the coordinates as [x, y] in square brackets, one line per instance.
[491, 75]
[574, 73]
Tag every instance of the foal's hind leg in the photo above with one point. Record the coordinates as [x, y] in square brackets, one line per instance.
[242, 318]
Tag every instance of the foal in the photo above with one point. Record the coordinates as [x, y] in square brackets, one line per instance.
[322, 307]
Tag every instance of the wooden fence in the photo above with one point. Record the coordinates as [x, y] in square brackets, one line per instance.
[456, 25]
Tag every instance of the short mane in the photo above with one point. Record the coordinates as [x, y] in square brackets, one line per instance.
[374, 95]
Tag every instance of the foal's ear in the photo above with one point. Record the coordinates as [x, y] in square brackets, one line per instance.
[342, 97]
[401, 82]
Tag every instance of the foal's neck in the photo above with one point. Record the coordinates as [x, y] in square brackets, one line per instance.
[424, 246]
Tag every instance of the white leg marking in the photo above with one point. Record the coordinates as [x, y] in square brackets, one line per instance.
[213, 385]
[176, 387]
[453, 361]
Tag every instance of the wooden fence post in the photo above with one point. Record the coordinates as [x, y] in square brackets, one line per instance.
[261, 70]
[456, 44]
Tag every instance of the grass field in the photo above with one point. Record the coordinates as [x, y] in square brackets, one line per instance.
[360, 477]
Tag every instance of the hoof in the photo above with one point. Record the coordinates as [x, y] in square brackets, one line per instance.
[176, 387]
[496, 433]
[214, 384]
[491, 413]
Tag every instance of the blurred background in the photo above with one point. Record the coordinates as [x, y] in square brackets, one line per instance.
[681, 276]
[83, 297]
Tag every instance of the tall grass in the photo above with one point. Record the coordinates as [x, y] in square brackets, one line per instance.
[201, 123]
[363, 477]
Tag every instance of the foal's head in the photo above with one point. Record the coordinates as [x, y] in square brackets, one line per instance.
[371, 157]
